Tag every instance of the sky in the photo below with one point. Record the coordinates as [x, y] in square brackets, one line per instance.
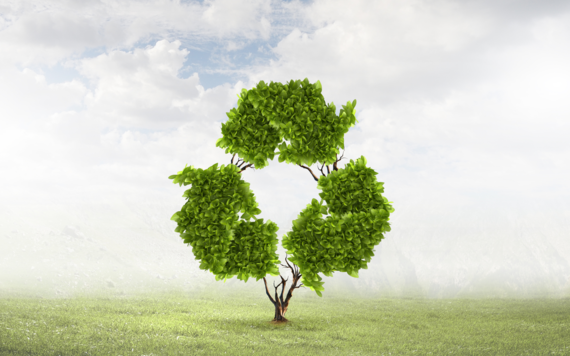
[461, 109]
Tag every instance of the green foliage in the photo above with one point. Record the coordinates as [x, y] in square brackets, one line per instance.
[353, 189]
[294, 118]
[295, 112]
[226, 244]
[344, 241]
[249, 134]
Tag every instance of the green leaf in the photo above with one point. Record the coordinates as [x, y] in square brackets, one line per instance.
[315, 204]
[318, 85]
[353, 273]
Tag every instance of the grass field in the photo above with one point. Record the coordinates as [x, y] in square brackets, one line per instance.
[212, 324]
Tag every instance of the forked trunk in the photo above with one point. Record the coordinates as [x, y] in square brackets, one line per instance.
[280, 304]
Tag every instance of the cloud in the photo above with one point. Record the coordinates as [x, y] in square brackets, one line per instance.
[229, 16]
[141, 89]
[136, 113]
[28, 92]
[404, 50]
[453, 96]
[232, 46]
[47, 31]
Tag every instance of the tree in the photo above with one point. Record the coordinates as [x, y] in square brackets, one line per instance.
[294, 118]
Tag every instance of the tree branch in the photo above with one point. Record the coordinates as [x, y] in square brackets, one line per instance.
[283, 288]
[282, 284]
[267, 291]
[328, 169]
[232, 161]
[296, 277]
[314, 176]
[278, 300]
[244, 168]
[337, 160]
[321, 169]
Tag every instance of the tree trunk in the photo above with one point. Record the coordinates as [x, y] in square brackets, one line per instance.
[279, 315]
[280, 304]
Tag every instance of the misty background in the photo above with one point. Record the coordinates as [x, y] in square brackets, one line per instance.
[463, 111]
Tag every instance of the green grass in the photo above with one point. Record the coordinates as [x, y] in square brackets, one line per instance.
[212, 324]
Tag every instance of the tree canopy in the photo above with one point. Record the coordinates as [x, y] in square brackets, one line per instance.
[294, 118]
[269, 115]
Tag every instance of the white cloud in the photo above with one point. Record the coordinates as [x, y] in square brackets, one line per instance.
[232, 46]
[230, 16]
[141, 89]
[138, 113]
[441, 90]
[47, 31]
[27, 97]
